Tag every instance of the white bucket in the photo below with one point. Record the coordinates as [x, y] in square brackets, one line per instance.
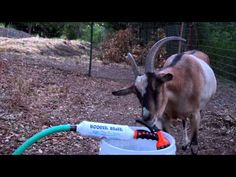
[136, 146]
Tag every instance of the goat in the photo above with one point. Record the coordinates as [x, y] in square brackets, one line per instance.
[180, 89]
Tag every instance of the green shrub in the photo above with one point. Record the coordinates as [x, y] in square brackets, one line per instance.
[217, 39]
[71, 31]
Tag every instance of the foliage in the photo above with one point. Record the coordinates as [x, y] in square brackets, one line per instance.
[68, 30]
[98, 32]
[218, 40]
[2, 25]
[49, 29]
[71, 31]
[117, 45]
[43, 29]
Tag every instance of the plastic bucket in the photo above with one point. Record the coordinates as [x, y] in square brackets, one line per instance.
[136, 146]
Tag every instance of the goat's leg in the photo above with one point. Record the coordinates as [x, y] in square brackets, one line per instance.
[162, 124]
[195, 123]
[165, 123]
[185, 139]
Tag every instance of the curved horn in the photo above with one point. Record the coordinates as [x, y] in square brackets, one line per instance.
[134, 65]
[149, 62]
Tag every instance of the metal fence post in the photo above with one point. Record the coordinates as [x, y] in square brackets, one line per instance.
[91, 48]
[181, 35]
[190, 36]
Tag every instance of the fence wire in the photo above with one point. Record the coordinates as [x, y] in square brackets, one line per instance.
[223, 59]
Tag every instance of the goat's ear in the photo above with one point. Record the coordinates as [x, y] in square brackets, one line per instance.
[166, 77]
[124, 91]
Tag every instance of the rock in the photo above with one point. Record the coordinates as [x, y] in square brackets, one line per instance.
[44, 126]
[22, 139]
[80, 138]
[228, 118]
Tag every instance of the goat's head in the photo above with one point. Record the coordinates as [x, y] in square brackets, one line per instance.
[150, 86]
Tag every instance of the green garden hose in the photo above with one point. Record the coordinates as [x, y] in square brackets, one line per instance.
[101, 131]
[60, 128]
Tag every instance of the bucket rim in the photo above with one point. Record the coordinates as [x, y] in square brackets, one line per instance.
[167, 135]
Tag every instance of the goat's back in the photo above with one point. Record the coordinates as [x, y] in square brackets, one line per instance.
[200, 55]
[194, 81]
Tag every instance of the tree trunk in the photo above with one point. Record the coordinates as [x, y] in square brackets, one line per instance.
[6, 24]
[30, 28]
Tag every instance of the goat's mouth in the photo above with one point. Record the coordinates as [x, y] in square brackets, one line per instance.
[152, 127]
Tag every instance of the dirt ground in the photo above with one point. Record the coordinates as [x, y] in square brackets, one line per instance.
[43, 89]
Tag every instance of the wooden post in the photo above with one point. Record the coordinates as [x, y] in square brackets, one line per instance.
[91, 49]
[30, 27]
[181, 35]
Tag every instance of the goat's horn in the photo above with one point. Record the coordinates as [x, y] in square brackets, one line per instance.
[149, 62]
[134, 65]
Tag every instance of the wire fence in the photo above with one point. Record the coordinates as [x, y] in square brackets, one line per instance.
[223, 59]
[222, 53]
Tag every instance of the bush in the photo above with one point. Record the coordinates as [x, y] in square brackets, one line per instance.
[83, 31]
[218, 41]
[98, 32]
[43, 29]
[71, 31]
[116, 46]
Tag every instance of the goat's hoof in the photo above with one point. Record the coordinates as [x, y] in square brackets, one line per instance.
[184, 147]
[194, 149]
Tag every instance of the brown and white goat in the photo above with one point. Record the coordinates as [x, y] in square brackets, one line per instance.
[181, 89]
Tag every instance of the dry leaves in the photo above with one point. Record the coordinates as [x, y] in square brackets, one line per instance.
[116, 47]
